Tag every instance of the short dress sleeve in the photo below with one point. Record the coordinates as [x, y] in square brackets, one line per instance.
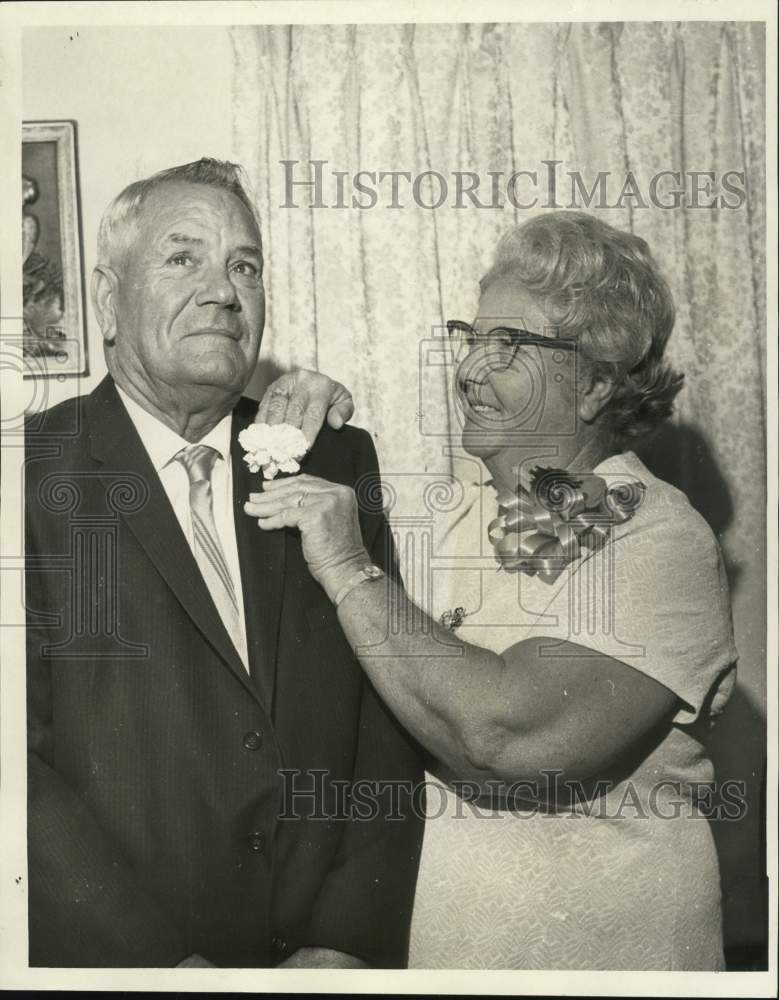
[656, 598]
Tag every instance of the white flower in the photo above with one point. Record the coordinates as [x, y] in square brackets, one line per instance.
[273, 448]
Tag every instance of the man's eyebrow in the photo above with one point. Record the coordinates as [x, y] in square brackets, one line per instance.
[183, 238]
[249, 249]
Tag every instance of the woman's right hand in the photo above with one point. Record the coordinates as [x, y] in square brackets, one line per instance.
[326, 515]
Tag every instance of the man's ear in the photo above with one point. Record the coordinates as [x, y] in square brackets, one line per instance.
[594, 397]
[104, 290]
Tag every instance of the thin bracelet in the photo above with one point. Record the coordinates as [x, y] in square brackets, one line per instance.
[366, 574]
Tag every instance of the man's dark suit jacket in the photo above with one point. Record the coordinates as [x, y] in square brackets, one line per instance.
[157, 819]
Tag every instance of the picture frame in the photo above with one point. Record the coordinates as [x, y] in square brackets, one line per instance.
[54, 335]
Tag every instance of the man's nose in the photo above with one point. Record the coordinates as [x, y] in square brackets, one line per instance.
[217, 289]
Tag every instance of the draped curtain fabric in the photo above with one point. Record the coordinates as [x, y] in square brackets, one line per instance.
[362, 293]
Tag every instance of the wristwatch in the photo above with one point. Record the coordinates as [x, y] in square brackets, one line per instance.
[369, 573]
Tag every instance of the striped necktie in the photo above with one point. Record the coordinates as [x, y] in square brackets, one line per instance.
[199, 461]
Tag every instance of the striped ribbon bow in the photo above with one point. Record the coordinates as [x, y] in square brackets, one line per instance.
[542, 530]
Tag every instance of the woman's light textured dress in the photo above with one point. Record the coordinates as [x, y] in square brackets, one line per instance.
[631, 889]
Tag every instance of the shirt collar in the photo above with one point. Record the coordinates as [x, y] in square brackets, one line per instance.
[163, 444]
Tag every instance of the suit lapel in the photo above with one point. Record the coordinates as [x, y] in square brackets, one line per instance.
[261, 555]
[118, 449]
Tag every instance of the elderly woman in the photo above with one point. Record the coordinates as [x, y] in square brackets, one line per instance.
[577, 639]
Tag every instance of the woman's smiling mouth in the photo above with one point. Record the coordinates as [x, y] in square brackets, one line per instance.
[471, 397]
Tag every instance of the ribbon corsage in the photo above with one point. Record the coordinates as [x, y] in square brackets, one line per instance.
[542, 530]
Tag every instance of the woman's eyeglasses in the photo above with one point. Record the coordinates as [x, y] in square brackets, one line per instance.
[503, 340]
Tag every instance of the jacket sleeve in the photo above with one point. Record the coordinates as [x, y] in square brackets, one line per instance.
[85, 906]
[364, 907]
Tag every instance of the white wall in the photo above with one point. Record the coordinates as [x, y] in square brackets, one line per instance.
[169, 89]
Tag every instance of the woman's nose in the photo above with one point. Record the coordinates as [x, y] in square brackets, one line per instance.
[479, 363]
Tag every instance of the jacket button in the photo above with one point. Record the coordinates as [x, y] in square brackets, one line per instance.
[278, 944]
[252, 741]
[256, 843]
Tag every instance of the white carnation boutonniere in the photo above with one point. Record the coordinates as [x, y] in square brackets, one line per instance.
[273, 448]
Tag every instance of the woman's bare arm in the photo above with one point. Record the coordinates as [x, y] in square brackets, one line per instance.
[540, 705]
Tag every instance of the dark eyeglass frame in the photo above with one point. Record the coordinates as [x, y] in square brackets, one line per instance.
[518, 336]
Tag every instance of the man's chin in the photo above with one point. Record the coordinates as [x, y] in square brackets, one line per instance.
[221, 374]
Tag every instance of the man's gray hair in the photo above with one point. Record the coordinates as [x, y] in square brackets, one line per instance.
[122, 214]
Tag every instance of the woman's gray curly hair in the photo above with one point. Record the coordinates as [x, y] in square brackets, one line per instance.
[602, 286]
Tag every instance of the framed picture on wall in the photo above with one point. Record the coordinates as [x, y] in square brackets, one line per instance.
[54, 339]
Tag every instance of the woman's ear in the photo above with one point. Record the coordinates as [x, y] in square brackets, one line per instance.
[104, 289]
[594, 397]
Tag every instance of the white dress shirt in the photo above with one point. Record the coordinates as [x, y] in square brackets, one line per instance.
[162, 445]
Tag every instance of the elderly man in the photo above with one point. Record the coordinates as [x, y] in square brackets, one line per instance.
[196, 717]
